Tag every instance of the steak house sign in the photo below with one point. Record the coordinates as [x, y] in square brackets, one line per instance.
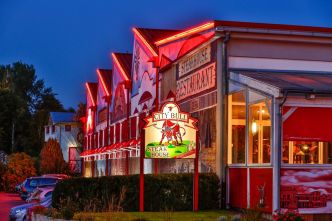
[199, 81]
[170, 133]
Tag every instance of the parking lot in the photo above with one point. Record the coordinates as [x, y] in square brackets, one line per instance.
[7, 201]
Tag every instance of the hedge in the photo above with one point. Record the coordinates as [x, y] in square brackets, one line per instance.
[162, 192]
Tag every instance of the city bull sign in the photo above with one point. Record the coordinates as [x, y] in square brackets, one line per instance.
[170, 133]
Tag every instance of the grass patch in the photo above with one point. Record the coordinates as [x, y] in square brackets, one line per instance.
[154, 216]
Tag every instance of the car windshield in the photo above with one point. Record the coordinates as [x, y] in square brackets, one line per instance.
[33, 183]
[48, 181]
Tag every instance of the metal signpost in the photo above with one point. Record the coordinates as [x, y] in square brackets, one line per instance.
[169, 134]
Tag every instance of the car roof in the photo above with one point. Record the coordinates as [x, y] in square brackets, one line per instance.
[43, 177]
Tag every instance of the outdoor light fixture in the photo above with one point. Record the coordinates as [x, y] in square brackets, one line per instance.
[254, 127]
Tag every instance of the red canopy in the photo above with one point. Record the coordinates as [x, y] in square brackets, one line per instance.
[308, 123]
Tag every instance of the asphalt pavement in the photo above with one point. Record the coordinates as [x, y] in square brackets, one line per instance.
[7, 201]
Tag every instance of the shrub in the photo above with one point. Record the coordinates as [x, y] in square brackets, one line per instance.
[173, 191]
[288, 215]
[20, 166]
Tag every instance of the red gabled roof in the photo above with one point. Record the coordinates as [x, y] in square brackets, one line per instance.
[152, 35]
[237, 24]
[92, 89]
[105, 76]
[125, 61]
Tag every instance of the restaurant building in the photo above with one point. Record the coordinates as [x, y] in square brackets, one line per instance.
[263, 99]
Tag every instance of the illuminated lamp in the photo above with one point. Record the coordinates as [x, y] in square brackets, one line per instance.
[305, 147]
[103, 83]
[254, 127]
[117, 63]
[90, 93]
[139, 35]
[186, 33]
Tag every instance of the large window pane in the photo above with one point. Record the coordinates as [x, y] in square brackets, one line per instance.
[237, 128]
[307, 152]
[259, 128]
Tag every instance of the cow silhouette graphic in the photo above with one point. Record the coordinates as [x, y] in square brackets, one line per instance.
[171, 131]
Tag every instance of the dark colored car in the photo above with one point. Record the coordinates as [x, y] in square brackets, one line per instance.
[30, 184]
[20, 213]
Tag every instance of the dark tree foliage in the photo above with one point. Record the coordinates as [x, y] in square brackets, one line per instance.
[25, 103]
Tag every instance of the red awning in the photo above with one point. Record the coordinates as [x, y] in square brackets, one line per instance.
[307, 123]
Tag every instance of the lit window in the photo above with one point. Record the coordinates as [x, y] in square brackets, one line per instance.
[237, 127]
[259, 128]
[307, 152]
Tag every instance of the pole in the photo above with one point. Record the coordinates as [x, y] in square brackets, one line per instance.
[156, 160]
[141, 172]
[107, 133]
[196, 175]
[128, 128]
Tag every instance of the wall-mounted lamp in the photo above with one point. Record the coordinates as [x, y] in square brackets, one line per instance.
[254, 127]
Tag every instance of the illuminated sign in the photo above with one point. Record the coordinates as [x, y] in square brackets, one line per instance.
[196, 82]
[194, 61]
[170, 133]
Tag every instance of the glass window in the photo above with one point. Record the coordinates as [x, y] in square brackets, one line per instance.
[237, 128]
[33, 183]
[307, 152]
[259, 128]
[67, 127]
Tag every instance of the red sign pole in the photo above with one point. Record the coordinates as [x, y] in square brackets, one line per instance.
[141, 172]
[196, 175]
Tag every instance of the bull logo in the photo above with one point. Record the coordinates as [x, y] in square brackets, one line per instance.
[172, 131]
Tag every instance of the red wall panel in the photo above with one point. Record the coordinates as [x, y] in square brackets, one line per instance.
[238, 187]
[261, 188]
[117, 132]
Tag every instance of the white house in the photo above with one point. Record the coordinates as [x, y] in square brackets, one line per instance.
[62, 127]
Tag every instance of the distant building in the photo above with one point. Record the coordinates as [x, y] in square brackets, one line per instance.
[63, 128]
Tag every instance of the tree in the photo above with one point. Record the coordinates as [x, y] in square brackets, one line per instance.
[20, 166]
[51, 158]
[25, 103]
[3, 170]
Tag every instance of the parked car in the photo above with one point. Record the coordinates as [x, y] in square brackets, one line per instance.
[33, 182]
[40, 193]
[20, 213]
[61, 176]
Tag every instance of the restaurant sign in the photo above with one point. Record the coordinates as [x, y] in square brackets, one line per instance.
[194, 61]
[197, 82]
[170, 133]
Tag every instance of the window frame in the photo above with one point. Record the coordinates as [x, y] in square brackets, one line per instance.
[237, 88]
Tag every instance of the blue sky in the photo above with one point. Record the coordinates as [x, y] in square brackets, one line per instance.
[66, 40]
